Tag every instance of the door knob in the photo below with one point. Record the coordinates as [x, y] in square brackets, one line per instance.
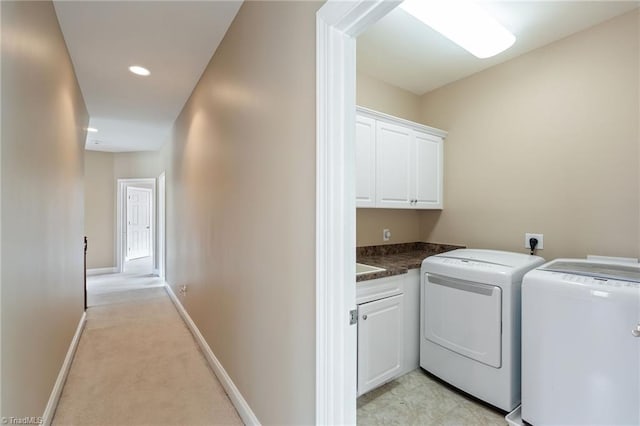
[636, 331]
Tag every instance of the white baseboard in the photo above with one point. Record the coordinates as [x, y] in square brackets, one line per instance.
[49, 411]
[102, 271]
[238, 401]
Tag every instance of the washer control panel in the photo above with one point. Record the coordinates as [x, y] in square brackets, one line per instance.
[582, 279]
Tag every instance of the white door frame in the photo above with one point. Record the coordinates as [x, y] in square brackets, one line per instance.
[162, 223]
[121, 219]
[338, 23]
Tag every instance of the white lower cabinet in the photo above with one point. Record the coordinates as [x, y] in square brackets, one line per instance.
[388, 328]
[380, 355]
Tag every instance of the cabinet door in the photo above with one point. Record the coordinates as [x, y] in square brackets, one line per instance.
[427, 167]
[393, 164]
[380, 345]
[365, 161]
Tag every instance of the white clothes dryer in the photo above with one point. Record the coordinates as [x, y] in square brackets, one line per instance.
[581, 343]
[470, 321]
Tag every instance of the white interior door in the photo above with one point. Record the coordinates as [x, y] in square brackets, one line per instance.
[138, 222]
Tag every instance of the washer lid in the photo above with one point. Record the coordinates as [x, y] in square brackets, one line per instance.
[502, 258]
[611, 271]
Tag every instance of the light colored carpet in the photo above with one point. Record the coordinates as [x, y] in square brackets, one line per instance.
[138, 364]
[418, 399]
[115, 288]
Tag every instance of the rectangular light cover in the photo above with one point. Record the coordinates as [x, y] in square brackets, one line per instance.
[464, 23]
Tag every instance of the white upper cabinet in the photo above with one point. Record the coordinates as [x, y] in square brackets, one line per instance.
[394, 146]
[365, 161]
[399, 164]
[428, 162]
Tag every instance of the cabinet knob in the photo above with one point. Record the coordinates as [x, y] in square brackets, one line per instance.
[364, 317]
[636, 331]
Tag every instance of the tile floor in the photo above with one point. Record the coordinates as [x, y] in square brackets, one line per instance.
[418, 399]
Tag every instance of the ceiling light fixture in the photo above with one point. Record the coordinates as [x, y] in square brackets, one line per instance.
[92, 129]
[136, 69]
[464, 23]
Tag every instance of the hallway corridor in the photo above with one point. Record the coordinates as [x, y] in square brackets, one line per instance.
[138, 364]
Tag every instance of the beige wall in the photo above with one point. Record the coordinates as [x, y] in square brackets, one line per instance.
[99, 202]
[137, 165]
[43, 121]
[380, 96]
[404, 224]
[102, 170]
[546, 143]
[241, 207]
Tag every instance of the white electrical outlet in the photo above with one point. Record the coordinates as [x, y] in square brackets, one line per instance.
[386, 234]
[539, 237]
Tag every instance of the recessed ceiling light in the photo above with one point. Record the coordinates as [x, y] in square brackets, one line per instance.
[136, 69]
[464, 23]
[92, 129]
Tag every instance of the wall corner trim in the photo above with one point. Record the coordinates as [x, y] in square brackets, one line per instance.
[244, 410]
[52, 404]
[101, 271]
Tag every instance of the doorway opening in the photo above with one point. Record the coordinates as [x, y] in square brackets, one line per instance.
[136, 226]
[162, 223]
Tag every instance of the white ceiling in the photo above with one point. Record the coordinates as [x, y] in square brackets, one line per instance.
[403, 52]
[173, 39]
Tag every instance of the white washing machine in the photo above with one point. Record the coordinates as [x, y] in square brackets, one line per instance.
[581, 343]
[470, 321]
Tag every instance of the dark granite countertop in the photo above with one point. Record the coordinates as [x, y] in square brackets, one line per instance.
[397, 258]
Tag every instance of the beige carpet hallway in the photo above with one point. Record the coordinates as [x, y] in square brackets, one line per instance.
[138, 364]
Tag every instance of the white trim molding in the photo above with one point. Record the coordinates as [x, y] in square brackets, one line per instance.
[244, 410]
[338, 22]
[50, 409]
[401, 121]
[101, 271]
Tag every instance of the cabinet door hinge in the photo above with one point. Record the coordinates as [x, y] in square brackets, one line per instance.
[354, 316]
